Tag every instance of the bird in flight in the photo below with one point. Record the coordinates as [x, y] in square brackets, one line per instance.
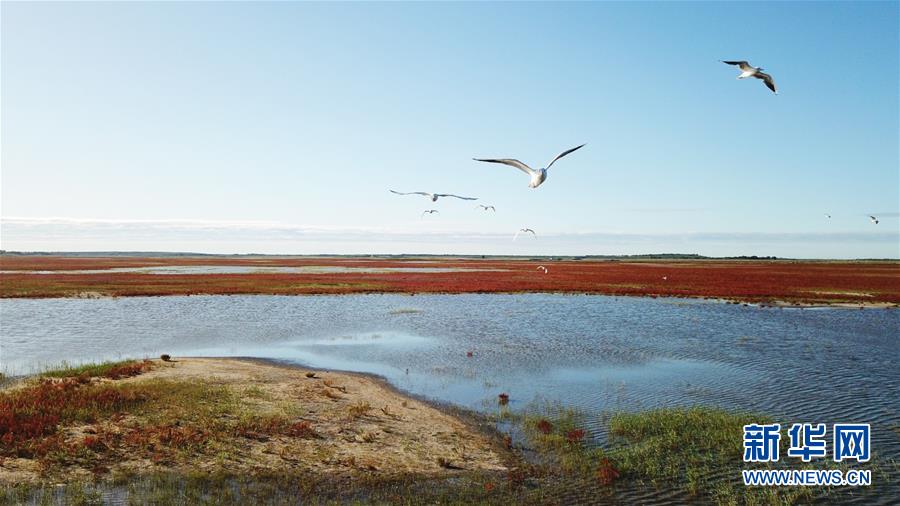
[429, 211]
[537, 176]
[828, 216]
[524, 231]
[873, 219]
[748, 70]
[434, 196]
[485, 208]
[541, 267]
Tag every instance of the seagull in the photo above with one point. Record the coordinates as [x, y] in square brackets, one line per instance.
[429, 211]
[539, 267]
[873, 219]
[435, 196]
[485, 208]
[748, 70]
[524, 231]
[537, 176]
[828, 216]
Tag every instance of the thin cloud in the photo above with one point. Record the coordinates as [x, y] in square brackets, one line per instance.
[172, 229]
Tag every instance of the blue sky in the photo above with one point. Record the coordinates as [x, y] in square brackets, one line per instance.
[280, 127]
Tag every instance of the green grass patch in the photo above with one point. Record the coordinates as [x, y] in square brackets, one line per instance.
[678, 445]
[109, 370]
[697, 451]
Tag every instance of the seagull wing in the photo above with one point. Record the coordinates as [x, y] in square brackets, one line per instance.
[564, 153]
[508, 161]
[768, 80]
[412, 193]
[742, 64]
[455, 196]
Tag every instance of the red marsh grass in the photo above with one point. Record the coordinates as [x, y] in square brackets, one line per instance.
[798, 282]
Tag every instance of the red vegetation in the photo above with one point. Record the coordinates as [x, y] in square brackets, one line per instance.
[128, 370]
[575, 436]
[606, 473]
[545, 427]
[29, 414]
[93, 443]
[515, 477]
[301, 430]
[752, 281]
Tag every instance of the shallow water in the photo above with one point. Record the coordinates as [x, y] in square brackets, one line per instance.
[597, 353]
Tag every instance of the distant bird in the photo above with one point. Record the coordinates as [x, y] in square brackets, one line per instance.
[485, 208]
[537, 176]
[828, 216]
[523, 231]
[873, 219]
[429, 211]
[748, 70]
[665, 278]
[541, 267]
[435, 196]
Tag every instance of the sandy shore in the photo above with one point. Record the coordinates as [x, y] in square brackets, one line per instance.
[360, 425]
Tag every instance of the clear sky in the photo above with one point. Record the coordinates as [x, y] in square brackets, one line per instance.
[280, 127]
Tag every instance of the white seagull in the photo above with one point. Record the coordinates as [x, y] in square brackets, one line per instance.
[748, 70]
[541, 267]
[873, 219]
[524, 231]
[828, 216]
[537, 176]
[429, 211]
[434, 196]
[485, 208]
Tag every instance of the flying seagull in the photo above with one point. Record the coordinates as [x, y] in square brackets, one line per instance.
[541, 267]
[434, 196]
[429, 211]
[485, 208]
[748, 70]
[828, 216]
[873, 219]
[524, 231]
[537, 176]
